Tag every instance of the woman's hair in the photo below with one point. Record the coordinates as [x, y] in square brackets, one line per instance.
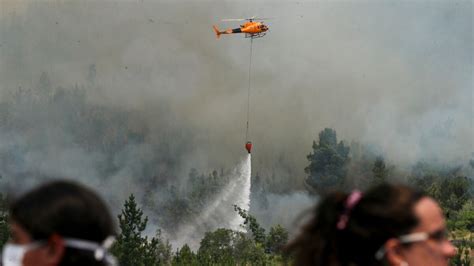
[383, 212]
[67, 209]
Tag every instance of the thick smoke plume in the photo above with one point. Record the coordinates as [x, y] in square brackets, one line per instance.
[128, 96]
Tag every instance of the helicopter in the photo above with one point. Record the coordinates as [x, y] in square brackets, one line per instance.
[251, 28]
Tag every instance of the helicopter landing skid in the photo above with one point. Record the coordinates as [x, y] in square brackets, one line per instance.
[256, 35]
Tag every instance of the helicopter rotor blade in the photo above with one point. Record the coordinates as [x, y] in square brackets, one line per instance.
[234, 19]
[262, 18]
[243, 19]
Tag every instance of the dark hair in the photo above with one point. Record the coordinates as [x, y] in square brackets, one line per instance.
[383, 212]
[68, 209]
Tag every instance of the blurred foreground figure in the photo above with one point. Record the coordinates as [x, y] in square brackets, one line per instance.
[387, 225]
[59, 223]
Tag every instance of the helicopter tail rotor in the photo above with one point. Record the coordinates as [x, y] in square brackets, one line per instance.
[216, 30]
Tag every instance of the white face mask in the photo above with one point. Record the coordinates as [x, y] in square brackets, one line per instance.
[13, 254]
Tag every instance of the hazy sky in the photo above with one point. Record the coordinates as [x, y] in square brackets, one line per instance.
[395, 74]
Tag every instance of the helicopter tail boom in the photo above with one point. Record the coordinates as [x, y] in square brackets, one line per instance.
[228, 31]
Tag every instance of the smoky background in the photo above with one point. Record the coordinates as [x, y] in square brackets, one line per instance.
[129, 96]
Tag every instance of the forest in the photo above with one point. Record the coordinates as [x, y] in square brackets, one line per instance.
[107, 142]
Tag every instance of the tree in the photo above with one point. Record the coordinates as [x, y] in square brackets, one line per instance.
[452, 192]
[157, 250]
[276, 239]
[251, 223]
[464, 218]
[130, 243]
[4, 225]
[266, 248]
[362, 158]
[379, 171]
[133, 249]
[327, 162]
[185, 256]
[228, 247]
[217, 247]
[248, 252]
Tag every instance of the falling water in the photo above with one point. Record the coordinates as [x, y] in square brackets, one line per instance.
[220, 212]
[242, 192]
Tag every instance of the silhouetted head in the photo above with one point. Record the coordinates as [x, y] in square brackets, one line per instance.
[374, 229]
[60, 223]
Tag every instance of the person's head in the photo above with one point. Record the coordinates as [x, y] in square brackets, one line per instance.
[387, 225]
[59, 223]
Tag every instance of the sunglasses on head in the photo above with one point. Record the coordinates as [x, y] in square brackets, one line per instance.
[438, 236]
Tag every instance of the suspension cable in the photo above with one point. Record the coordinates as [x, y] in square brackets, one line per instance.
[248, 92]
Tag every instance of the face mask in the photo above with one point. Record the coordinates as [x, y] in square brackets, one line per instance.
[101, 251]
[13, 254]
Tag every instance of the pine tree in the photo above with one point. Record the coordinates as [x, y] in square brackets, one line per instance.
[129, 246]
[327, 162]
[133, 249]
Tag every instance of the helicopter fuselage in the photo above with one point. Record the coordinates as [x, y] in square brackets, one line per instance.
[251, 29]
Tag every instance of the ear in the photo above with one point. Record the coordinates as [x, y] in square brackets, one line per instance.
[56, 249]
[393, 252]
